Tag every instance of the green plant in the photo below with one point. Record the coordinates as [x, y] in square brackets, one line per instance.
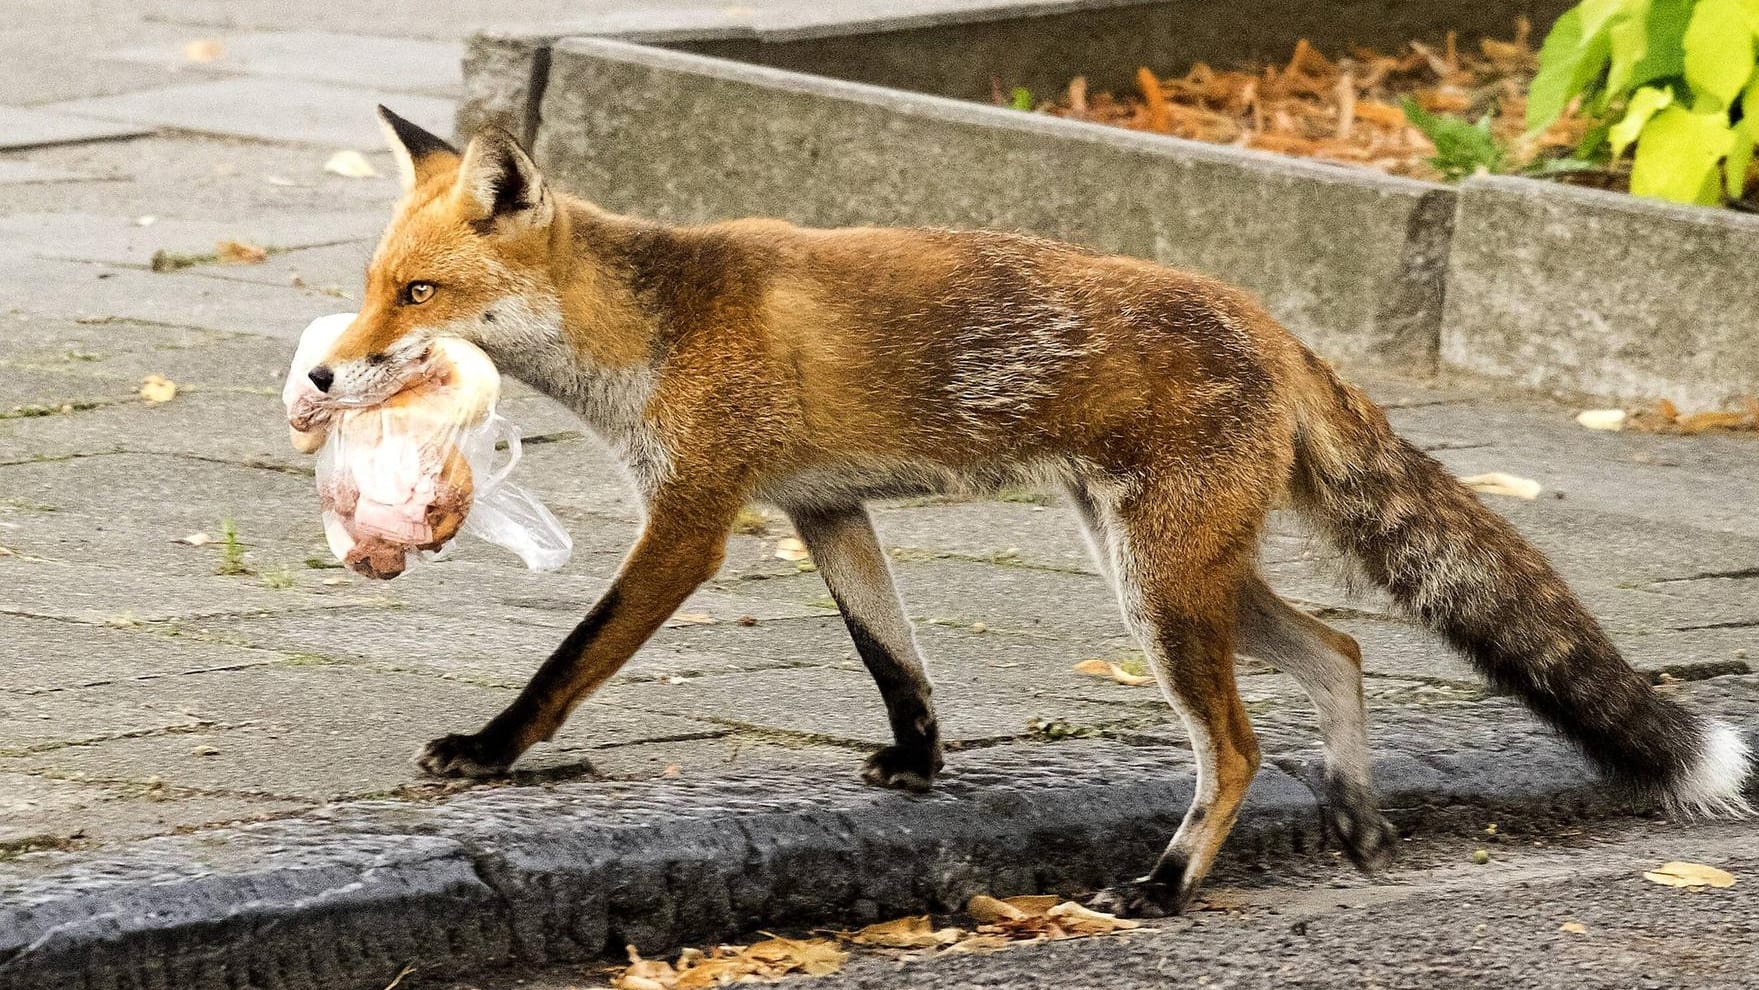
[231, 551]
[1461, 148]
[1679, 79]
[1020, 98]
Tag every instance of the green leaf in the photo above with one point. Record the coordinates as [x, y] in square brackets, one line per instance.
[1677, 155]
[1719, 51]
[1644, 104]
[1461, 148]
[1740, 155]
[1646, 44]
[1569, 60]
[1020, 98]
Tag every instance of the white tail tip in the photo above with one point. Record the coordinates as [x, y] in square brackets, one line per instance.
[1713, 787]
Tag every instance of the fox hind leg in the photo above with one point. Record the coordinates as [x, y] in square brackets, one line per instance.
[1181, 605]
[1328, 666]
[848, 555]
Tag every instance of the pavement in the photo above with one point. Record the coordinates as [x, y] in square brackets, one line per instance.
[207, 747]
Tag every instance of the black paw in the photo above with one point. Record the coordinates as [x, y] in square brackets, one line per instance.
[1353, 816]
[1142, 898]
[1371, 842]
[459, 755]
[909, 768]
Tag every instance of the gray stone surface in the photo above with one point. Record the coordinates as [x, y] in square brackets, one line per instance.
[22, 128]
[619, 120]
[1599, 292]
[403, 65]
[286, 110]
[22, 172]
[125, 241]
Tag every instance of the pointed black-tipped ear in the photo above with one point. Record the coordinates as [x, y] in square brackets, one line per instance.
[420, 155]
[498, 182]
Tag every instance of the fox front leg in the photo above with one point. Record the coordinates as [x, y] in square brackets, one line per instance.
[681, 547]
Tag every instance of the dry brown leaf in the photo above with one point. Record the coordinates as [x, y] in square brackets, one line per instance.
[691, 619]
[1086, 921]
[987, 910]
[1501, 483]
[1034, 903]
[812, 956]
[917, 932]
[203, 50]
[1111, 671]
[1154, 100]
[350, 164]
[157, 388]
[1573, 927]
[240, 253]
[978, 943]
[1681, 874]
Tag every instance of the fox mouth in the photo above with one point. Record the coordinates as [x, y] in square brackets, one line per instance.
[383, 378]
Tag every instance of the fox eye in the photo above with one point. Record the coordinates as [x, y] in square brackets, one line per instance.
[416, 293]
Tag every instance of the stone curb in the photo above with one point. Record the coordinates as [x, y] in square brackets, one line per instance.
[348, 897]
[777, 113]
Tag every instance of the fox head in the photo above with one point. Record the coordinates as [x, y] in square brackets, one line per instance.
[471, 235]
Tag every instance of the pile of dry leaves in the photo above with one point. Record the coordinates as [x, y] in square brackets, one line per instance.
[997, 923]
[1344, 109]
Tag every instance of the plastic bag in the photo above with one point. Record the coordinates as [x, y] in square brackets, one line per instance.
[398, 480]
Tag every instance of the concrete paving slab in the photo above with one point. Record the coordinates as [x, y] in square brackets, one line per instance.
[845, 705]
[15, 172]
[1027, 527]
[100, 292]
[52, 655]
[81, 592]
[26, 392]
[47, 812]
[284, 110]
[200, 361]
[240, 427]
[118, 240]
[320, 731]
[22, 128]
[197, 177]
[338, 270]
[36, 76]
[45, 722]
[404, 65]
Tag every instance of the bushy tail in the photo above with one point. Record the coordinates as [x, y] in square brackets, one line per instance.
[1466, 573]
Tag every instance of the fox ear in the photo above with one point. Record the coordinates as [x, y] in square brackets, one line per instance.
[498, 182]
[420, 155]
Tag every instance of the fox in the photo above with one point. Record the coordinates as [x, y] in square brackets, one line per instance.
[817, 370]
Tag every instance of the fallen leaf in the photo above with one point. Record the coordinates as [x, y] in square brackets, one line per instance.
[812, 956]
[350, 164]
[157, 388]
[1111, 671]
[791, 548]
[1573, 927]
[240, 253]
[195, 540]
[672, 770]
[1034, 903]
[1086, 921]
[1679, 874]
[203, 50]
[1499, 483]
[917, 932]
[987, 910]
[691, 619]
[146, 220]
[1602, 419]
[978, 943]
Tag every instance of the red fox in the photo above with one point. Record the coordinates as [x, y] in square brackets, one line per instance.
[818, 369]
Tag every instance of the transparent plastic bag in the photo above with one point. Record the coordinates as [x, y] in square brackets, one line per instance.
[399, 480]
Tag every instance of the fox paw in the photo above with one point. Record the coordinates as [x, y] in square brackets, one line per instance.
[1368, 838]
[460, 755]
[904, 768]
[1142, 898]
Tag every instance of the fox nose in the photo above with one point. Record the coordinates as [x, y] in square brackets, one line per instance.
[322, 377]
